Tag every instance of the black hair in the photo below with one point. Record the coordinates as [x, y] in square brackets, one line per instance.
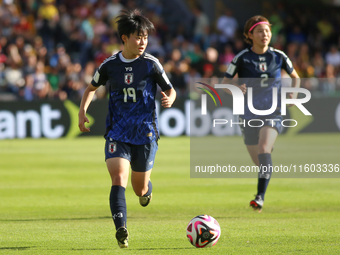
[131, 21]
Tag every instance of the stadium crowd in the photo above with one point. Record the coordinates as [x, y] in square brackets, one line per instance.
[50, 49]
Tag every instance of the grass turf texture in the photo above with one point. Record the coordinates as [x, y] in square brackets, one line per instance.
[54, 200]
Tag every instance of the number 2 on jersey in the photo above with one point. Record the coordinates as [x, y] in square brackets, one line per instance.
[131, 93]
[263, 81]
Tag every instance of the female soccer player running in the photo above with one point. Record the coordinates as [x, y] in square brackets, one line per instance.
[131, 124]
[264, 63]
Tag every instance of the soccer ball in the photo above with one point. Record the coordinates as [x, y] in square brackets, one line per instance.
[203, 231]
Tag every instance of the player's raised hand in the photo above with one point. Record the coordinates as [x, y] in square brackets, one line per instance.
[243, 88]
[166, 100]
[81, 124]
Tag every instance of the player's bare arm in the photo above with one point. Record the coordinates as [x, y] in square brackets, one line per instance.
[295, 83]
[229, 81]
[85, 102]
[168, 98]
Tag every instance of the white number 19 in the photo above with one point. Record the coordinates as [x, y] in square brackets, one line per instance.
[131, 93]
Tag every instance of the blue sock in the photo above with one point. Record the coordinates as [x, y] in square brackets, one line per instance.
[118, 206]
[265, 159]
[149, 190]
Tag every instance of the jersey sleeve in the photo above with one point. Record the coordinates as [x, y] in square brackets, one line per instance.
[160, 77]
[100, 77]
[287, 65]
[233, 68]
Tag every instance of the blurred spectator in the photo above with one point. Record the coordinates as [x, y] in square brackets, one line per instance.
[113, 9]
[154, 45]
[296, 36]
[210, 39]
[100, 28]
[48, 17]
[191, 76]
[31, 64]
[3, 57]
[328, 85]
[114, 45]
[9, 12]
[41, 86]
[48, 11]
[14, 55]
[65, 19]
[49, 49]
[238, 45]
[279, 42]
[277, 26]
[53, 78]
[3, 60]
[211, 67]
[325, 28]
[174, 70]
[201, 27]
[155, 6]
[227, 25]
[27, 92]
[43, 55]
[318, 64]
[177, 79]
[292, 51]
[195, 54]
[333, 57]
[13, 77]
[23, 28]
[227, 56]
[303, 54]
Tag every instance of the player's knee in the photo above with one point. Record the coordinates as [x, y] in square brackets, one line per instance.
[118, 179]
[264, 149]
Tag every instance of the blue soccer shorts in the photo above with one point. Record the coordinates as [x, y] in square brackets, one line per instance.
[141, 157]
[251, 134]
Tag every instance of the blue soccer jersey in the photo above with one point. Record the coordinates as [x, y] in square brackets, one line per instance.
[261, 72]
[132, 88]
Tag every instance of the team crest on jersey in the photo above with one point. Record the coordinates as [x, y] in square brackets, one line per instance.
[128, 78]
[112, 147]
[263, 66]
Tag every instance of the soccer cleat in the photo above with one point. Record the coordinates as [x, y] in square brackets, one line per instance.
[257, 203]
[144, 201]
[122, 236]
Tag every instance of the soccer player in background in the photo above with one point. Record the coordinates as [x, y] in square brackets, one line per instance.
[264, 63]
[131, 124]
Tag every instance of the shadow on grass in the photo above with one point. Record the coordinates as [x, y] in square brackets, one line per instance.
[56, 219]
[88, 249]
[155, 249]
[91, 249]
[17, 248]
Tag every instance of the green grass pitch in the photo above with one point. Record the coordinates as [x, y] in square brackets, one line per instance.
[54, 200]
